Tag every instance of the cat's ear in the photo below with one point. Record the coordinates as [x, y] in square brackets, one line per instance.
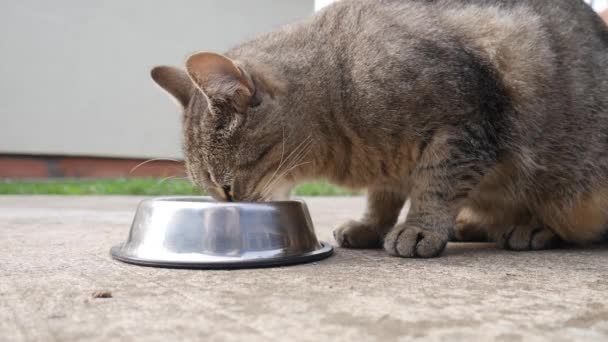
[175, 81]
[221, 80]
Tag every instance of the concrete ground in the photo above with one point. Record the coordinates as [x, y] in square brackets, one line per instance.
[54, 254]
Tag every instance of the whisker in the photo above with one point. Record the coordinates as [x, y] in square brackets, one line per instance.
[307, 139]
[269, 192]
[152, 160]
[281, 162]
[300, 146]
[299, 157]
[296, 158]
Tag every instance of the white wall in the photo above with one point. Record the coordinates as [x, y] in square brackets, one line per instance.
[322, 3]
[74, 76]
[599, 5]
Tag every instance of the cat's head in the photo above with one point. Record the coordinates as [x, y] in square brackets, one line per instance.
[234, 131]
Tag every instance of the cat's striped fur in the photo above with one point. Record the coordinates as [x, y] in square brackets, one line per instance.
[490, 116]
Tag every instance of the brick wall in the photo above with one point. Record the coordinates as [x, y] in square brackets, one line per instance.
[25, 167]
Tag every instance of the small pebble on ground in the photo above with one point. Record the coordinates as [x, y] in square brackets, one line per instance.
[102, 294]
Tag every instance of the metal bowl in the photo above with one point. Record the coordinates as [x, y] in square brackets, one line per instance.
[198, 232]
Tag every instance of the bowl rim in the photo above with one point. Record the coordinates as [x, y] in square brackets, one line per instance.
[197, 199]
[324, 251]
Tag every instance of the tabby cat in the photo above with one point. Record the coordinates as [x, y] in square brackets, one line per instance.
[489, 116]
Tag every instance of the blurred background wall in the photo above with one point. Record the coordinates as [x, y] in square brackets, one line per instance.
[76, 99]
[598, 5]
[74, 77]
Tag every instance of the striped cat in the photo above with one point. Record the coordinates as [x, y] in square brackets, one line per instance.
[489, 116]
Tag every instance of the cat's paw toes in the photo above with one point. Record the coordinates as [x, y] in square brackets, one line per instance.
[528, 237]
[413, 242]
[356, 234]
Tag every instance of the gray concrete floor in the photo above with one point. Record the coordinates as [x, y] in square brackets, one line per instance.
[54, 254]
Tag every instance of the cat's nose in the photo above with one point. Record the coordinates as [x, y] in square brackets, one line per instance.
[228, 192]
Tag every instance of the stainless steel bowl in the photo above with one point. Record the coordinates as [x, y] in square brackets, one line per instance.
[197, 232]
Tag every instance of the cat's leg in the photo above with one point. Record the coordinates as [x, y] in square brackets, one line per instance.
[550, 223]
[383, 210]
[424, 234]
[522, 234]
[493, 212]
[527, 235]
[578, 217]
[451, 166]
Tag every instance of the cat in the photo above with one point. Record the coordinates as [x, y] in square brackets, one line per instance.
[489, 116]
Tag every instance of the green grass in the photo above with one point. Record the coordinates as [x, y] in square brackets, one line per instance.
[138, 186]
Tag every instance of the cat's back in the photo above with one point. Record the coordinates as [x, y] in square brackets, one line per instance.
[551, 56]
[536, 38]
[572, 20]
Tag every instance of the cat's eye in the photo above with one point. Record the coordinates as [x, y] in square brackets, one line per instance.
[255, 100]
[254, 105]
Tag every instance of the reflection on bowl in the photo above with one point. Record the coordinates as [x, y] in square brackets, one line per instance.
[197, 232]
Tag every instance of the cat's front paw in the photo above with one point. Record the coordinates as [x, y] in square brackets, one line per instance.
[413, 242]
[356, 234]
